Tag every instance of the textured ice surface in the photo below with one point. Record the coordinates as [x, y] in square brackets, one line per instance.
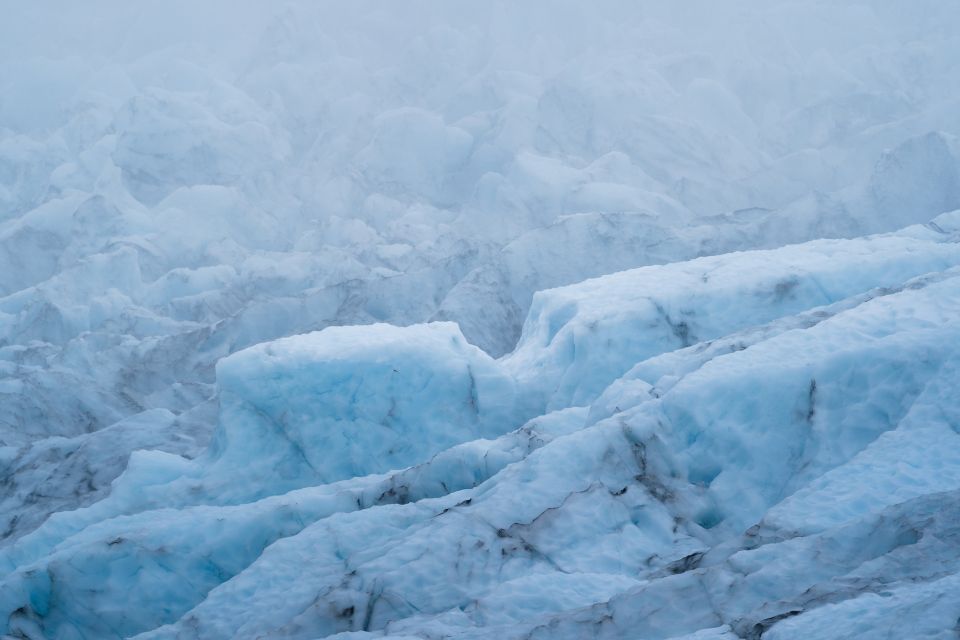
[713, 392]
[578, 339]
[798, 462]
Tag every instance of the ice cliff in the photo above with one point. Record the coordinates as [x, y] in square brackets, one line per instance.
[488, 321]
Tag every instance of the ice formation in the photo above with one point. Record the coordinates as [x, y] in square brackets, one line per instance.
[491, 321]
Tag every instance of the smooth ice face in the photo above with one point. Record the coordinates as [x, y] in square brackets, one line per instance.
[350, 401]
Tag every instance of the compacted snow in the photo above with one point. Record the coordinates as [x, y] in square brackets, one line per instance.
[432, 320]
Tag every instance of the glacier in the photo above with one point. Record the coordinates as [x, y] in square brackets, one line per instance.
[471, 321]
[771, 447]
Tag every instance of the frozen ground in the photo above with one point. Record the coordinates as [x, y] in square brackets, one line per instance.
[654, 320]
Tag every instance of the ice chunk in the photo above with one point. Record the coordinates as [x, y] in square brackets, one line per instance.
[349, 401]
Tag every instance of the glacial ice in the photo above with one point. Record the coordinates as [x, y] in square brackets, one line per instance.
[476, 321]
[608, 503]
[351, 401]
[576, 339]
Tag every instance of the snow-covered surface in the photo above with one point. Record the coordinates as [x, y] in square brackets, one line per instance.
[433, 320]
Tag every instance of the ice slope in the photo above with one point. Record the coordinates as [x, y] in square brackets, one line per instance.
[795, 465]
[681, 304]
